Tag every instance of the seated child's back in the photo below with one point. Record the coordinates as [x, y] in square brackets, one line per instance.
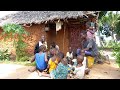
[41, 64]
[61, 71]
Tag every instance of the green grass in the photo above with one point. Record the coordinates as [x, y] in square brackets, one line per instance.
[18, 62]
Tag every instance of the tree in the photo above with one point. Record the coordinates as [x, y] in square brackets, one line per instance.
[101, 14]
[12, 31]
[111, 20]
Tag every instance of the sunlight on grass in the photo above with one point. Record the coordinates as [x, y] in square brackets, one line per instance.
[26, 63]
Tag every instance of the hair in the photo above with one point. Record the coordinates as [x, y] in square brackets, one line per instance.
[42, 48]
[80, 57]
[53, 44]
[60, 55]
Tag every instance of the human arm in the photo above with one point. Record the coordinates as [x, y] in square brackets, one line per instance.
[46, 57]
[90, 44]
[67, 54]
[33, 59]
[92, 31]
[48, 66]
[36, 50]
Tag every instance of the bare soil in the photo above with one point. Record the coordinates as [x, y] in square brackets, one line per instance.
[98, 71]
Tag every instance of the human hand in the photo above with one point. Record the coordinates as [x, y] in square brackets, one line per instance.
[83, 51]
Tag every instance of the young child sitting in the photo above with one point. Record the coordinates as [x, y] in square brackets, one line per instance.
[74, 59]
[40, 60]
[80, 70]
[69, 54]
[61, 70]
[53, 62]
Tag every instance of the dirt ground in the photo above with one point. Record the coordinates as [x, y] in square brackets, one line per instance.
[104, 71]
[98, 71]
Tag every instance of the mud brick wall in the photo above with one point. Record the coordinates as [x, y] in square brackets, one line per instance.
[35, 32]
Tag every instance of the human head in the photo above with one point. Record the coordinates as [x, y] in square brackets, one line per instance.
[70, 49]
[43, 38]
[82, 52]
[64, 61]
[80, 59]
[54, 51]
[60, 56]
[91, 27]
[83, 34]
[42, 48]
[53, 44]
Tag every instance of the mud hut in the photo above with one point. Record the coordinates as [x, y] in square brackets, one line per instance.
[62, 27]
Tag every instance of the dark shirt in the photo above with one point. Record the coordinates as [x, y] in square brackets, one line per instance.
[36, 50]
[90, 43]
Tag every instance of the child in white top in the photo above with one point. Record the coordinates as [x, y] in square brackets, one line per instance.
[80, 69]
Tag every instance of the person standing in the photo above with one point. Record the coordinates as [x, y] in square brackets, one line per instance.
[41, 42]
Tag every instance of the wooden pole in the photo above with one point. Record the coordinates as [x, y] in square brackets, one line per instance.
[64, 37]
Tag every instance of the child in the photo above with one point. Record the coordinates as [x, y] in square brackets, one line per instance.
[52, 64]
[61, 72]
[91, 33]
[74, 59]
[40, 59]
[69, 54]
[81, 67]
[56, 72]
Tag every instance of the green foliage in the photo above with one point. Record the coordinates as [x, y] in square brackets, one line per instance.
[117, 29]
[111, 20]
[11, 30]
[101, 14]
[20, 50]
[14, 29]
[116, 51]
[24, 58]
[4, 55]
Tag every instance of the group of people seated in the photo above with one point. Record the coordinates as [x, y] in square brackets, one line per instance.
[56, 65]
[59, 66]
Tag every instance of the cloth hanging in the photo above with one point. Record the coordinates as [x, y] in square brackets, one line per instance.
[58, 26]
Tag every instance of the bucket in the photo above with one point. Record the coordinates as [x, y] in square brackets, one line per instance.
[90, 61]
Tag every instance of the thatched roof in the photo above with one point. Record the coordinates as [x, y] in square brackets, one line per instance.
[27, 17]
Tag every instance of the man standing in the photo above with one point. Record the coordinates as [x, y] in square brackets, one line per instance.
[41, 42]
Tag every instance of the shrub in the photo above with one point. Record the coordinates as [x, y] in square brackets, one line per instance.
[116, 52]
[4, 55]
[12, 30]
[24, 58]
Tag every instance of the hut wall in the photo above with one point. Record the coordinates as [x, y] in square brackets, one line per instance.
[74, 35]
[69, 35]
[35, 33]
[60, 38]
